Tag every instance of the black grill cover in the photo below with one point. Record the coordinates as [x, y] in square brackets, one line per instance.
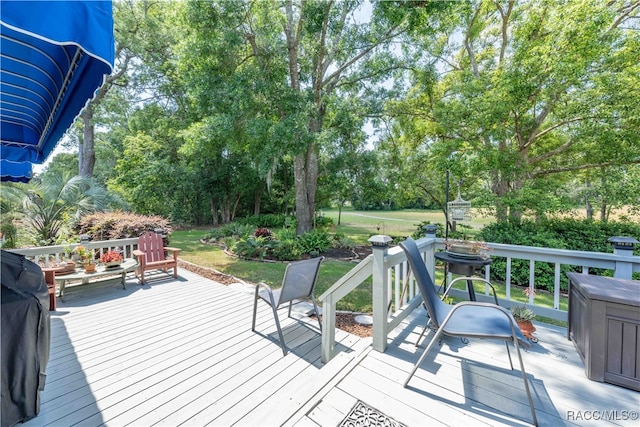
[26, 331]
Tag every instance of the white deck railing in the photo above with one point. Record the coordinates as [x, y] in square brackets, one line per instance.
[395, 293]
[48, 255]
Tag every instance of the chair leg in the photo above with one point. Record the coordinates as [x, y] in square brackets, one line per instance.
[506, 344]
[526, 383]
[315, 307]
[255, 310]
[424, 330]
[424, 355]
[275, 315]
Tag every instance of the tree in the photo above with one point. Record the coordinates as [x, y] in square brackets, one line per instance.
[278, 68]
[524, 90]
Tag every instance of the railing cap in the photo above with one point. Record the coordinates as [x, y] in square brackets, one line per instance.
[623, 242]
[380, 241]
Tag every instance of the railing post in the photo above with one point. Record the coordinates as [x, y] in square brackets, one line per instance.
[328, 340]
[380, 246]
[623, 246]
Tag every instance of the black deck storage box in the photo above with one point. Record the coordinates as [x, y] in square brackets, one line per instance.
[25, 337]
[604, 325]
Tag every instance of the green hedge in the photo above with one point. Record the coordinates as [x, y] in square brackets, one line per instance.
[569, 234]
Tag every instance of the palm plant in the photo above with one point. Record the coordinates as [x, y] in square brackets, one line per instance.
[51, 204]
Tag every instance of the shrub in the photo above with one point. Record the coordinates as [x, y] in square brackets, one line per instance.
[324, 221]
[287, 250]
[558, 233]
[214, 234]
[264, 220]
[314, 242]
[237, 229]
[263, 232]
[340, 241]
[254, 247]
[120, 225]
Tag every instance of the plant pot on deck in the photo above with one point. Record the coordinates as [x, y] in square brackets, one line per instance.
[89, 268]
[527, 328]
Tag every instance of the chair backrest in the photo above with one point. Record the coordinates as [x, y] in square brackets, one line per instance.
[152, 245]
[436, 308]
[299, 279]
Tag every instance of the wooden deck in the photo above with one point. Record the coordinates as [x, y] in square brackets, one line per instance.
[181, 352]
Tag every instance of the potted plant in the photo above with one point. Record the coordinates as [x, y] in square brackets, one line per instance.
[86, 258]
[111, 259]
[523, 316]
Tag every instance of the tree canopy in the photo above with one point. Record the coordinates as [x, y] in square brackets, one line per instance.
[228, 108]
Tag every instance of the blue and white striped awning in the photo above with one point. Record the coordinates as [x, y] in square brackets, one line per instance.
[53, 57]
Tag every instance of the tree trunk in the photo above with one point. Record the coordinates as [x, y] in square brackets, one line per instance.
[225, 212]
[86, 150]
[588, 206]
[304, 210]
[603, 203]
[500, 189]
[235, 207]
[214, 212]
[603, 210]
[257, 200]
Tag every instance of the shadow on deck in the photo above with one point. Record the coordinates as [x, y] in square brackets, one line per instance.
[181, 352]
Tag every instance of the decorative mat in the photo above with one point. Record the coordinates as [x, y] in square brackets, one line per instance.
[364, 415]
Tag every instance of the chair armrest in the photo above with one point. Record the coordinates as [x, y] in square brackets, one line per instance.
[266, 288]
[138, 253]
[174, 251]
[472, 279]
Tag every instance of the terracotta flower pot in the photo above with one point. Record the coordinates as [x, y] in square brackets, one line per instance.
[89, 268]
[527, 328]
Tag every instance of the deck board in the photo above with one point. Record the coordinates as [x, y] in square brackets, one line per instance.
[181, 352]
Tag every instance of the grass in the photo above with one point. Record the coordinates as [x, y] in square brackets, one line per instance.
[356, 225]
[360, 225]
[269, 272]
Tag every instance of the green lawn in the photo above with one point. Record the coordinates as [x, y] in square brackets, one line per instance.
[359, 225]
[269, 272]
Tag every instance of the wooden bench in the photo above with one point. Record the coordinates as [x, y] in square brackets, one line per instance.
[152, 255]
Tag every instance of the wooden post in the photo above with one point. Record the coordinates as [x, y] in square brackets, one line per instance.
[328, 339]
[380, 245]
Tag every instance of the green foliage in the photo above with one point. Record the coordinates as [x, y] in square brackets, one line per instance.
[9, 233]
[50, 207]
[120, 225]
[569, 234]
[287, 250]
[315, 241]
[215, 234]
[254, 247]
[522, 313]
[324, 221]
[265, 220]
[340, 241]
[420, 233]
